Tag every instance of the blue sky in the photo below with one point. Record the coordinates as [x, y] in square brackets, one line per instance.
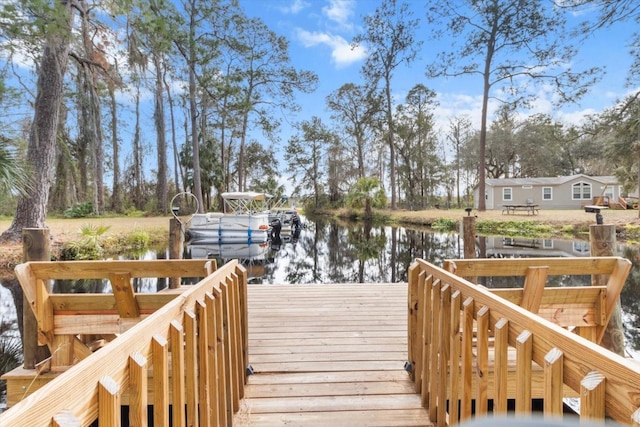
[320, 33]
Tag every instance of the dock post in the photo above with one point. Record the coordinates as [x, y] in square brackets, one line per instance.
[469, 238]
[176, 240]
[469, 229]
[35, 247]
[602, 242]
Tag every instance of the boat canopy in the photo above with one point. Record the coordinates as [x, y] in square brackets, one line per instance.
[246, 195]
[246, 202]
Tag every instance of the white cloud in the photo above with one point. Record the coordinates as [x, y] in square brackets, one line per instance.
[340, 11]
[295, 7]
[576, 118]
[342, 53]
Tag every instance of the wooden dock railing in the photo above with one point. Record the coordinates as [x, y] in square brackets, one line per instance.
[184, 349]
[468, 345]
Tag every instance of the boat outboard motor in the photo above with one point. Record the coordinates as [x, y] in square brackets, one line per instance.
[275, 243]
[295, 223]
[276, 226]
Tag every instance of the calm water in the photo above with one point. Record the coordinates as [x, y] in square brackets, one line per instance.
[328, 252]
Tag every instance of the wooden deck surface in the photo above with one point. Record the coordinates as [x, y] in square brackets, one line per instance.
[329, 355]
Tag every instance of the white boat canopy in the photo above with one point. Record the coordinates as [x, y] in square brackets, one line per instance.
[245, 202]
[246, 195]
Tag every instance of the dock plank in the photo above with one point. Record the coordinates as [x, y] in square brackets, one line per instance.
[329, 355]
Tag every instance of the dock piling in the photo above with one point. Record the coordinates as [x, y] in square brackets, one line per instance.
[602, 242]
[35, 247]
[176, 241]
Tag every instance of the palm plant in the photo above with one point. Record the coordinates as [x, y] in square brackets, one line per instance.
[14, 177]
[367, 194]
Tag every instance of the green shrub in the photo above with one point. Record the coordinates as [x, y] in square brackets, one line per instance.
[445, 224]
[80, 210]
[10, 357]
[87, 248]
[137, 239]
[513, 228]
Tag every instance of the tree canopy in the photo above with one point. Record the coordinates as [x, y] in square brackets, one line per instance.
[124, 101]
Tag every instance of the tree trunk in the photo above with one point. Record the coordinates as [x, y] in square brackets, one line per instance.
[116, 198]
[176, 164]
[193, 109]
[392, 148]
[93, 125]
[161, 146]
[98, 148]
[83, 137]
[137, 158]
[64, 192]
[243, 136]
[360, 147]
[482, 202]
[31, 210]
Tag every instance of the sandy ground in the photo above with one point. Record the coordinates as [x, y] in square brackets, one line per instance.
[63, 230]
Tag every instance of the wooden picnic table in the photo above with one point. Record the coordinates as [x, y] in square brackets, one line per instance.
[530, 209]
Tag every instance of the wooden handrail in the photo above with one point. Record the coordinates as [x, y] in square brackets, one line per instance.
[60, 317]
[199, 329]
[494, 267]
[463, 323]
[617, 269]
[101, 269]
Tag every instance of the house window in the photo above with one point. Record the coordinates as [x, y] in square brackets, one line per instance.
[507, 194]
[581, 247]
[581, 191]
[609, 192]
[547, 193]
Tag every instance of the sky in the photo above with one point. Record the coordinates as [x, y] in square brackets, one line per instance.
[320, 33]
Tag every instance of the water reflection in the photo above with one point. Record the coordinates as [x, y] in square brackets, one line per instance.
[332, 252]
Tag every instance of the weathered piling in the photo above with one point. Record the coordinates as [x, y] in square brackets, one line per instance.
[35, 247]
[469, 238]
[176, 241]
[602, 242]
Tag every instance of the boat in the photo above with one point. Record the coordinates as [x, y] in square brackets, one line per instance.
[245, 218]
[256, 252]
[253, 256]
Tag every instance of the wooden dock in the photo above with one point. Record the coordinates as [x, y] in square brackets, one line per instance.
[329, 355]
[323, 354]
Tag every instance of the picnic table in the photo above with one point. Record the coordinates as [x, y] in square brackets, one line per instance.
[530, 209]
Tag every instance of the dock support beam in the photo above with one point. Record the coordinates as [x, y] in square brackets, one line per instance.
[469, 239]
[176, 240]
[602, 240]
[35, 247]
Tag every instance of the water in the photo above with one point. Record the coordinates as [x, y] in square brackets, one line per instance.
[329, 252]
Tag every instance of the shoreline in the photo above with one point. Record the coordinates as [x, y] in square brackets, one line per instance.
[63, 230]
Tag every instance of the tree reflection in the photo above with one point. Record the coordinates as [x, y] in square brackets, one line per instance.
[629, 298]
[365, 246]
[338, 252]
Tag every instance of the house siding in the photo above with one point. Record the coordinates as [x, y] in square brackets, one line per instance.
[531, 189]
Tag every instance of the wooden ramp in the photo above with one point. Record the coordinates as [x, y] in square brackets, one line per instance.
[329, 355]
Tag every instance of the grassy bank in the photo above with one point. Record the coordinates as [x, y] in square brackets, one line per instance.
[560, 224]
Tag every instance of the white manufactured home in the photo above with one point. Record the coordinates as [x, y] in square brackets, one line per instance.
[563, 192]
